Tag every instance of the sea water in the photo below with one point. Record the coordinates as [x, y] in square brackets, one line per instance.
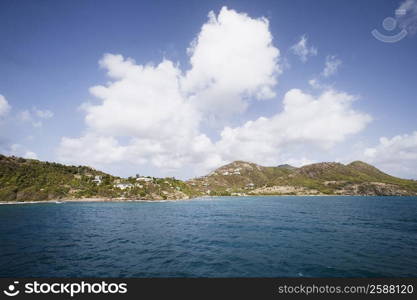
[212, 237]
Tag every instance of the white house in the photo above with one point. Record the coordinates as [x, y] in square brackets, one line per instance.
[123, 186]
[250, 186]
[98, 179]
[145, 179]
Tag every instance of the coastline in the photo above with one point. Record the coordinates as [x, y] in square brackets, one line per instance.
[61, 201]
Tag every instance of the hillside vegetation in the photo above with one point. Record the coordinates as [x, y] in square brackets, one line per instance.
[31, 180]
[329, 178]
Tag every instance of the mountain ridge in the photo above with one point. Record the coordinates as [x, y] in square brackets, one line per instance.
[325, 178]
[32, 180]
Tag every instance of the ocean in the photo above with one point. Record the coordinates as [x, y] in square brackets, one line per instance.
[268, 236]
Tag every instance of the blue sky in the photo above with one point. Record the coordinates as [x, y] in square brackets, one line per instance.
[186, 112]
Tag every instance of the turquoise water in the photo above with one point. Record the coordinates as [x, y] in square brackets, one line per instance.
[212, 237]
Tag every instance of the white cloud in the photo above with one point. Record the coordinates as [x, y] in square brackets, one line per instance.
[168, 156]
[305, 120]
[4, 106]
[157, 110]
[299, 162]
[317, 84]
[33, 116]
[30, 155]
[43, 114]
[92, 150]
[141, 101]
[144, 105]
[20, 151]
[6, 147]
[397, 156]
[331, 65]
[152, 115]
[232, 60]
[302, 50]
[406, 15]
[314, 83]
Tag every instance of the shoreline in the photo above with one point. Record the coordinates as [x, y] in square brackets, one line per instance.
[61, 201]
[87, 200]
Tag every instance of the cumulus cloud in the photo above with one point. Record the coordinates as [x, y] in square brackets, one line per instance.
[331, 65]
[143, 101]
[157, 110]
[305, 121]
[153, 115]
[4, 106]
[302, 50]
[99, 150]
[396, 155]
[145, 105]
[232, 60]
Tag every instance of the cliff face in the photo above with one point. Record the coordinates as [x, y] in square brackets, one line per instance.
[327, 178]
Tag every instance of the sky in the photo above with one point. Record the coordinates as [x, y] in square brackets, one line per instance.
[179, 88]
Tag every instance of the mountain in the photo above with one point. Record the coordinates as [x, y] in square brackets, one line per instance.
[327, 178]
[31, 180]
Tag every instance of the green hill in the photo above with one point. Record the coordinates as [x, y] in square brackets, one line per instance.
[328, 178]
[31, 180]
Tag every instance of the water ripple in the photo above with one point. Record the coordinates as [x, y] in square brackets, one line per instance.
[218, 237]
